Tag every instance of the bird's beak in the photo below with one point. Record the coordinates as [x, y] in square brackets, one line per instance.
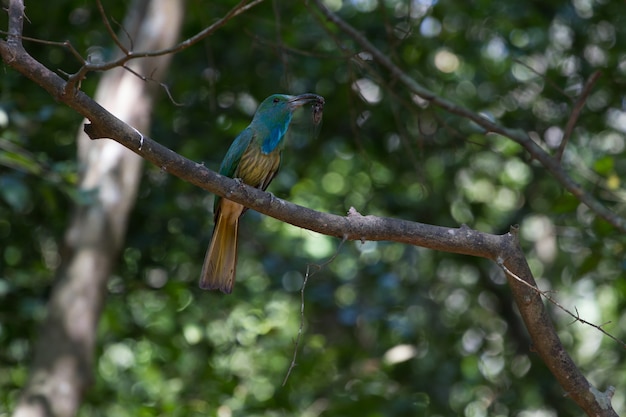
[299, 101]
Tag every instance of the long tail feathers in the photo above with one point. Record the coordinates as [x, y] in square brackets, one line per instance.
[220, 262]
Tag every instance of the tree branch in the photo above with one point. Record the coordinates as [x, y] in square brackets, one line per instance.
[63, 357]
[551, 164]
[128, 54]
[578, 107]
[502, 249]
[74, 80]
[544, 337]
[576, 316]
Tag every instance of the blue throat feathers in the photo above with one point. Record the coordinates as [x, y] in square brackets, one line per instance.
[277, 133]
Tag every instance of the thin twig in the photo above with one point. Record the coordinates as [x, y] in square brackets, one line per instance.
[290, 49]
[165, 87]
[235, 11]
[75, 79]
[280, 50]
[548, 80]
[110, 30]
[64, 44]
[519, 136]
[307, 275]
[578, 107]
[548, 297]
[131, 42]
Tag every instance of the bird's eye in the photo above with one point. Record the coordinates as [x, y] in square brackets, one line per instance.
[276, 100]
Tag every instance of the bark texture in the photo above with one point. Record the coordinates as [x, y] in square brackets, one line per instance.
[63, 365]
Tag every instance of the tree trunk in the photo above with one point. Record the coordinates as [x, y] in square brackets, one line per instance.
[110, 174]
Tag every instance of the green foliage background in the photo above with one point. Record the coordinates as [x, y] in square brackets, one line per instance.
[390, 329]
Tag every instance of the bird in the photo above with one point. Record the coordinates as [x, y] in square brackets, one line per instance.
[254, 158]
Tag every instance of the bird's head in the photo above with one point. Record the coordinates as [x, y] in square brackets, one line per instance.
[279, 106]
[275, 113]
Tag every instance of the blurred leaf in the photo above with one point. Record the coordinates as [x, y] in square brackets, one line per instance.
[15, 193]
[12, 156]
[604, 166]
